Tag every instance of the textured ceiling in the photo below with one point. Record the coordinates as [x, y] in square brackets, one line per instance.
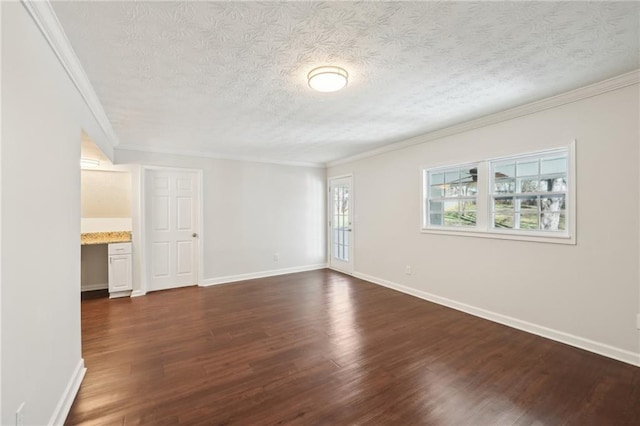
[229, 78]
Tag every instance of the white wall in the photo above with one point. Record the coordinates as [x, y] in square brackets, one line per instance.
[105, 194]
[251, 211]
[42, 119]
[588, 291]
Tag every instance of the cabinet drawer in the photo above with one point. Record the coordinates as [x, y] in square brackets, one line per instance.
[119, 248]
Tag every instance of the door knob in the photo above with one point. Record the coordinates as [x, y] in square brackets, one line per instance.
[194, 235]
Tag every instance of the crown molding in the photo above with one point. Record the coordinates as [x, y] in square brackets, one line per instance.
[45, 18]
[591, 90]
[216, 156]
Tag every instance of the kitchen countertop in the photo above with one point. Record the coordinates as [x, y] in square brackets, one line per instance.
[105, 237]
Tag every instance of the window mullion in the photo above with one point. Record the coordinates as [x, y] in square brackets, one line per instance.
[483, 196]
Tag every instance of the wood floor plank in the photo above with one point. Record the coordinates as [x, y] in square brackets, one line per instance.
[324, 348]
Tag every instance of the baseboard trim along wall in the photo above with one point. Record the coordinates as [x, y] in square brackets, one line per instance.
[64, 405]
[92, 287]
[263, 274]
[559, 336]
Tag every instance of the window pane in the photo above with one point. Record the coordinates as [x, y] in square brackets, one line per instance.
[458, 187]
[468, 175]
[529, 221]
[436, 178]
[529, 185]
[435, 212]
[562, 225]
[552, 221]
[452, 219]
[468, 218]
[553, 165]
[450, 206]
[545, 185]
[551, 213]
[504, 170]
[435, 206]
[504, 186]
[528, 168]
[452, 177]
[469, 189]
[468, 215]
[503, 204]
[555, 184]
[451, 190]
[436, 191]
[529, 205]
[468, 205]
[552, 204]
[503, 219]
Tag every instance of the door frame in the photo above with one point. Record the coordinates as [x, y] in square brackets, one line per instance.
[199, 270]
[352, 248]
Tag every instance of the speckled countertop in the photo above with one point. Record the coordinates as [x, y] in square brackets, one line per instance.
[105, 237]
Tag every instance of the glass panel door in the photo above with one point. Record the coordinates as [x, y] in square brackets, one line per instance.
[340, 224]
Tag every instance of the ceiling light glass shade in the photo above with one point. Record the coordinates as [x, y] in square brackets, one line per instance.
[89, 163]
[328, 79]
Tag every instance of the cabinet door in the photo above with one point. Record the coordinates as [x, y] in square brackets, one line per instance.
[119, 273]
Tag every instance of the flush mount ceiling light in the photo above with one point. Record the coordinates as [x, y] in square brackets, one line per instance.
[89, 163]
[327, 79]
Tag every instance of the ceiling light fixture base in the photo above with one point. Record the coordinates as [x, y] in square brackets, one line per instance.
[328, 78]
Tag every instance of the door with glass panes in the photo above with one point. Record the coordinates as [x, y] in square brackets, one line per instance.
[341, 224]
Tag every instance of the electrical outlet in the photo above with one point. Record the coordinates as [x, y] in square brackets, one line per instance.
[407, 270]
[276, 257]
[20, 415]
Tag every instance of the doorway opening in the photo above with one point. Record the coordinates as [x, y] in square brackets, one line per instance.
[106, 224]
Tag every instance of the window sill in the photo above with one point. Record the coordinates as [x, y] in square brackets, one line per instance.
[520, 236]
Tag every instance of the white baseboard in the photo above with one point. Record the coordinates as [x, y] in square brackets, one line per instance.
[549, 333]
[64, 404]
[92, 287]
[138, 293]
[263, 274]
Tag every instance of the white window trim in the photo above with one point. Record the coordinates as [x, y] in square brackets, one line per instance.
[483, 228]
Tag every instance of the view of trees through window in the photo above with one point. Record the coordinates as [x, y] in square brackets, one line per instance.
[530, 193]
[452, 196]
[527, 193]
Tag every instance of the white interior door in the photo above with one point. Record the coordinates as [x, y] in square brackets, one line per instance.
[172, 207]
[341, 224]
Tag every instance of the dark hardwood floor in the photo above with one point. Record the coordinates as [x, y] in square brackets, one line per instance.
[325, 348]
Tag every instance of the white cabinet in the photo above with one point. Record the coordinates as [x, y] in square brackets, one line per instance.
[120, 275]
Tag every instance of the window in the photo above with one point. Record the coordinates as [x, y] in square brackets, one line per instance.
[526, 197]
[452, 195]
[530, 192]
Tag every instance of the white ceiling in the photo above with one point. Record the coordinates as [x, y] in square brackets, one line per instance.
[229, 78]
